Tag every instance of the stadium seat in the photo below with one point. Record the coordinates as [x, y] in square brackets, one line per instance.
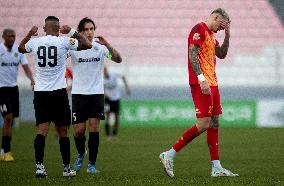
[155, 32]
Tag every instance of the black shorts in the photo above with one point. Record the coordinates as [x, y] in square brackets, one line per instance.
[112, 106]
[52, 106]
[9, 101]
[87, 106]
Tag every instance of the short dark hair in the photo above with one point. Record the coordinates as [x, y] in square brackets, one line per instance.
[51, 18]
[8, 30]
[221, 12]
[82, 23]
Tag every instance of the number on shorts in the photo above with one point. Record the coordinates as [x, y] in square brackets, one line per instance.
[3, 108]
[74, 116]
[210, 109]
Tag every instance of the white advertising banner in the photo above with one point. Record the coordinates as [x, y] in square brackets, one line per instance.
[270, 113]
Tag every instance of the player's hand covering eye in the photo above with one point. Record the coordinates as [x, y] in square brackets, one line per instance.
[226, 26]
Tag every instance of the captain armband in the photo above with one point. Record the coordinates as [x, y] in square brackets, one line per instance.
[109, 56]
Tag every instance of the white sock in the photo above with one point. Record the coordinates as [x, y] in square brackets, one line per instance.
[216, 164]
[171, 153]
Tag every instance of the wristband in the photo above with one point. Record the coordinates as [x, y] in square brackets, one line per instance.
[201, 78]
[73, 33]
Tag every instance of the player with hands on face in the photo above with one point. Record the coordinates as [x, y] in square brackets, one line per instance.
[202, 51]
[88, 91]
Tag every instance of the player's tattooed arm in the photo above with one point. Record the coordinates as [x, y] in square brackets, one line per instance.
[114, 54]
[194, 49]
[221, 52]
[32, 32]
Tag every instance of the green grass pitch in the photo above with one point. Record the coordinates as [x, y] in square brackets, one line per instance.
[256, 154]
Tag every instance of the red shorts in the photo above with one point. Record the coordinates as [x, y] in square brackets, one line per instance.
[206, 106]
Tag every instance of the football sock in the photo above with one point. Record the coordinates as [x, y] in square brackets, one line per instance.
[216, 163]
[39, 144]
[172, 153]
[107, 128]
[6, 143]
[114, 131]
[187, 137]
[64, 143]
[80, 144]
[93, 144]
[212, 141]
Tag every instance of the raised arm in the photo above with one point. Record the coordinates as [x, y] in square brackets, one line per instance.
[194, 49]
[83, 42]
[221, 51]
[115, 56]
[32, 32]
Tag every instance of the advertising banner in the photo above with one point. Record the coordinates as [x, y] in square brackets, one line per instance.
[182, 113]
[270, 113]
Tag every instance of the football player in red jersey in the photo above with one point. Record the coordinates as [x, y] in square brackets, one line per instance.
[202, 51]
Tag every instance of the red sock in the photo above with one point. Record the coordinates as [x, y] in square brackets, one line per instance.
[187, 137]
[212, 141]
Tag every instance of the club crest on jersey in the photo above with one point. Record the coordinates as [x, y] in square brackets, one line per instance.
[16, 54]
[197, 111]
[72, 41]
[196, 36]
